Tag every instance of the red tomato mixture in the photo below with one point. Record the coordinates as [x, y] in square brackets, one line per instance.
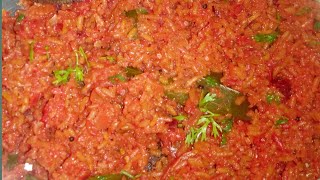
[161, 89]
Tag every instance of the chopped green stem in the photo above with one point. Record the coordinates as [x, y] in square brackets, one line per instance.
[180, 117]
[281, 121]
[126, 173]
[31, 51]
[266, 38]
[84, 55]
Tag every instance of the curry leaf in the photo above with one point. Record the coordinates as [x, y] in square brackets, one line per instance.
[211, 80]
[179, 97]
[132, 71]
[226, 104]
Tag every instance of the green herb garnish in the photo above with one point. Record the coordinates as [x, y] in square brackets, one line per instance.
[179, 97]
[273, 98]
[281, 121]
[266, 38]
[117, 77]
[31, 51]
[20, 17]
[211, 80]
[228, 124]
[208, 98]
[226, 102]
[62, 76]
[224, 139]
[135, 12]
[180, 117]
[200, 133]
[79, 74]
[132, 71]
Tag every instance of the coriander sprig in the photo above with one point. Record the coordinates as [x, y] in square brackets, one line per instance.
[63, 76]
[200, 133]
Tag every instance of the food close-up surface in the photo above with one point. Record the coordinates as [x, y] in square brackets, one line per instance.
[161, 89]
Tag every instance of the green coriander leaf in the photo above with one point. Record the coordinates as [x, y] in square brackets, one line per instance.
[62, 76]
[117, 77]
[20, 17]
[215, 128]
[191, 136]
[210, 81]
[281, 121]
[208, 98]
[180, 117]
[266, 38]
[203, 132]
[78, 73]
[273, 98]
[202, 120]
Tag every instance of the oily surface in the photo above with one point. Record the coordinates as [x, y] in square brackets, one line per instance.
[111, 121]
